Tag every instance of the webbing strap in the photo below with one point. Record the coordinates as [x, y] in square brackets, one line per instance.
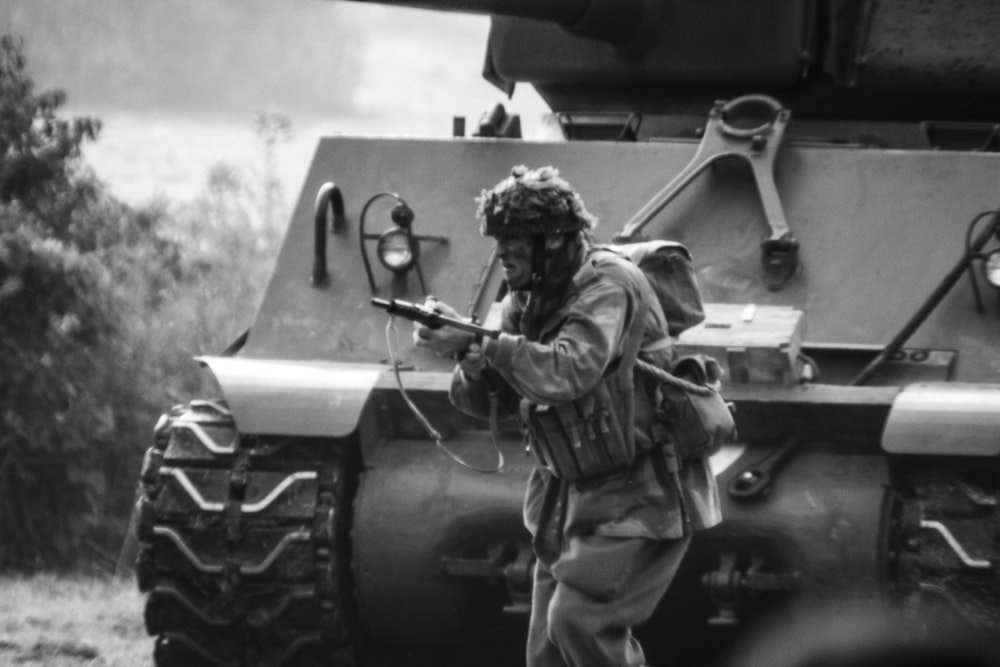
[631, 353]
[662, 344]
[667, 378]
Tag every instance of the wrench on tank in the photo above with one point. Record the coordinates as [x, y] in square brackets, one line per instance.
[756, 481]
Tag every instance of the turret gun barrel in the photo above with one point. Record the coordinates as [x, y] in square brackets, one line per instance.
[560, 11]
[614, 21]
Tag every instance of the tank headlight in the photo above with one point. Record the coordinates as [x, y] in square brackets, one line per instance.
[991, 268]
[396, 251]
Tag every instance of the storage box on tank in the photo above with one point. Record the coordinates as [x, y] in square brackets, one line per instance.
[752, 343]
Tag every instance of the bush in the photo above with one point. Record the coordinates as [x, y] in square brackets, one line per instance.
[102, 307]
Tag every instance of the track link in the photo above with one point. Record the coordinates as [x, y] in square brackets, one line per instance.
[244, 545]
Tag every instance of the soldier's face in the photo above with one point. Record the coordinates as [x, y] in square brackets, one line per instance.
[515, 255]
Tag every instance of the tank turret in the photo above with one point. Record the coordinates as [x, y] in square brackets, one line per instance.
[618, 24]
[847, 59]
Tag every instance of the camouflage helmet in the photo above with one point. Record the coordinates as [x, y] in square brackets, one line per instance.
[532, 202]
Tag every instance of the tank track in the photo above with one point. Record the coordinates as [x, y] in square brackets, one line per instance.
[243, 545]
[940, 534]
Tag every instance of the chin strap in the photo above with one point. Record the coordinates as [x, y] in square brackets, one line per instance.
[538, 259]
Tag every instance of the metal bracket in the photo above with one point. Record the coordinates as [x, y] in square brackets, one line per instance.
[506, 564]
[329, 200]
[738, 577]
[758, 146]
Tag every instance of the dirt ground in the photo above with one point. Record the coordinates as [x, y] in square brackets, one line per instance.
[72, 622]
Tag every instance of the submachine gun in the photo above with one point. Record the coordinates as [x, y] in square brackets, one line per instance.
[433, 318]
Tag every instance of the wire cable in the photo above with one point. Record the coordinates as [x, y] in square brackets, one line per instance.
[392, 342]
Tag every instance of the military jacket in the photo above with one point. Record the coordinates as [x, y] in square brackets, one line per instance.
[577, 345]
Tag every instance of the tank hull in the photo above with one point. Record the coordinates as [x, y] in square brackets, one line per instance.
[889, 217]
[815, 534]
[328, 527]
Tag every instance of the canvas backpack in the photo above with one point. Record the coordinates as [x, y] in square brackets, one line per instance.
[668, 267]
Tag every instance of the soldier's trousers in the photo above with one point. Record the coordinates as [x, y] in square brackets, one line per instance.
[585, 604]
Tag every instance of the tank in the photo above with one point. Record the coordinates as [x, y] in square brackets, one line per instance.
[833, 169]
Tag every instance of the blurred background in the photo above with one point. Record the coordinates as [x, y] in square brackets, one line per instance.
[150, 154]
[177, 83]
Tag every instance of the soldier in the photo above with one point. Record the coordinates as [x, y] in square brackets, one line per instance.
[610, 536]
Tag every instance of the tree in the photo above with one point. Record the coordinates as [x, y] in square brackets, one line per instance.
[77, 270]
[271, 126]
[35, 144]
[102, 307]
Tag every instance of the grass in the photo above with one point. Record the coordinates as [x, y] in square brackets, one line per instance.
[72, 622]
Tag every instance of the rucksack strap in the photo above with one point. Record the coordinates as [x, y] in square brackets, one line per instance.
[631, 351]
[664, 343]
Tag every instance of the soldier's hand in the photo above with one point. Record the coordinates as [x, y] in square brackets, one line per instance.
[473, 363]
[446, 341]
[443, 308]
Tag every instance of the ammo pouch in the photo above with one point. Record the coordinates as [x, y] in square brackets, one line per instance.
[690, 411]
[592, 436]
[585, 438]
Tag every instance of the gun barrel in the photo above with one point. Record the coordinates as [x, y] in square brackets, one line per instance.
[613, 21]
[430, 318]
[566, 12]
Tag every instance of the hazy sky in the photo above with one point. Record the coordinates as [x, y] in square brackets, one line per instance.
[307, 57]
[177, 82]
